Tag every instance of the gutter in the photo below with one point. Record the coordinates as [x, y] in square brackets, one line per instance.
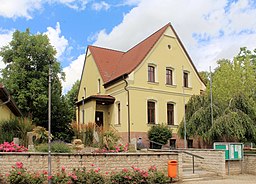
[128, 105]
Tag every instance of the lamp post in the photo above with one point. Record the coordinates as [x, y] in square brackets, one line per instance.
[49, 125]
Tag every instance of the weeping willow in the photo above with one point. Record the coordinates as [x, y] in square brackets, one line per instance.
[233, 122]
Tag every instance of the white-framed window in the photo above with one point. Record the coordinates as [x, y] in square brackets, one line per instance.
[169, 75]
[118, 105]
[151, 111]
[152, 73]
[170, 113]
[186, 79]
[98, 85]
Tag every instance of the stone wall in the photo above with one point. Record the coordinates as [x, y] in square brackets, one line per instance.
[246, 166]
[106, 162]
[249, 166]
[214, 160]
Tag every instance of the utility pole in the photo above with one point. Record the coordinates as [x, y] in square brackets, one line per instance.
[211, 96]
[184, 101]
[49, 125]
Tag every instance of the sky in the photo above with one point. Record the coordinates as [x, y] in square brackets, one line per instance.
[209, 29]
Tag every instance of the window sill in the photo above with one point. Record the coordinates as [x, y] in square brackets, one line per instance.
[154, 83]
[171, 85]
[188, 88]
[151, 124]
[173, 126]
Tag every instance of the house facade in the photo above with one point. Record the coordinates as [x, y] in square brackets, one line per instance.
[8, 108]
[131, 91]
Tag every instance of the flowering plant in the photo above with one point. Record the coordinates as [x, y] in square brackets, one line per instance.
[139, 176]
[116, 149]
[19, 175]
[11, 147]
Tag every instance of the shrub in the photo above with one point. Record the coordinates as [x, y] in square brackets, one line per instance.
[88, 131]
[41, 135]
[138, 176]
[56, 147]
[19, 175]
[160, 134]
[8, 130]
[11, 147]
[17, 127]
[116, 149]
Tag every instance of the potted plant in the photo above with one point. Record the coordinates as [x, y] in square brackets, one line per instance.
[159, 135]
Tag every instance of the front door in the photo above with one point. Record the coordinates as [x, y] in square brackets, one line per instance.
[99, 118]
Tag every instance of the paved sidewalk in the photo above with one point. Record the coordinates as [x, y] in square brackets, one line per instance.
[232, 179]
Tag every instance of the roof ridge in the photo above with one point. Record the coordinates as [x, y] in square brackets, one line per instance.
[148, 37]
[134, 47]
[104, 48]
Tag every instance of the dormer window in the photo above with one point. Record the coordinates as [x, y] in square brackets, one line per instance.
[151, 73]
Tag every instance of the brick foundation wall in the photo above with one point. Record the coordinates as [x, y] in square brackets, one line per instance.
[197, 143]
[106, 162]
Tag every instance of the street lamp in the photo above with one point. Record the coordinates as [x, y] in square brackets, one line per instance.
[49, 124]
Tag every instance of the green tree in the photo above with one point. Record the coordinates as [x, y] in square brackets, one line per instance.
[234, 122]
[71, 99]
[27, 58]
[236, 76]
[237, 123]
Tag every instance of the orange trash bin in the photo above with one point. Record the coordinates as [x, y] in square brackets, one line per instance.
[172, 168]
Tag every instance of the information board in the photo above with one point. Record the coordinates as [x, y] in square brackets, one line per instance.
[233, 151]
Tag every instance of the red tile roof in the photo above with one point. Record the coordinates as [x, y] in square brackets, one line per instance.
[113, 64]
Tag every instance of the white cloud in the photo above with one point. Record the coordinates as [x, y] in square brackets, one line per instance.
[19, 8]
[131, 2]
[74, 4]
[100, 6]
[25, 8]
[210, 30]
[73, 73]
[60, 43]
[5, 38]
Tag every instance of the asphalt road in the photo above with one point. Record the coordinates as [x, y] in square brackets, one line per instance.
[232, 179]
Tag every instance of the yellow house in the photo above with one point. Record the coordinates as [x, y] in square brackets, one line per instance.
[133, 90]
[8, 108]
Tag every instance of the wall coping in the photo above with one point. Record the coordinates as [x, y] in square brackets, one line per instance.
[250, 154]
[86, 154]
[192, 149]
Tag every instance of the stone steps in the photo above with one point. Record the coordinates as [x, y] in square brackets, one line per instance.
[199, 173]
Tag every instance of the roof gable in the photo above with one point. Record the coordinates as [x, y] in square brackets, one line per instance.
[106, 61]
[113, 64]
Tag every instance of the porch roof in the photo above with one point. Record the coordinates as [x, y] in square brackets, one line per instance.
[100, 99]
[8, 100]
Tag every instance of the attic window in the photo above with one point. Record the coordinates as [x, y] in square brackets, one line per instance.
[169, 46]
[98, 86]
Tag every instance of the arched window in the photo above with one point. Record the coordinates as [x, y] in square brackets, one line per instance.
[170, 113]
[152, 73]
[118, 113]
[151, 107]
